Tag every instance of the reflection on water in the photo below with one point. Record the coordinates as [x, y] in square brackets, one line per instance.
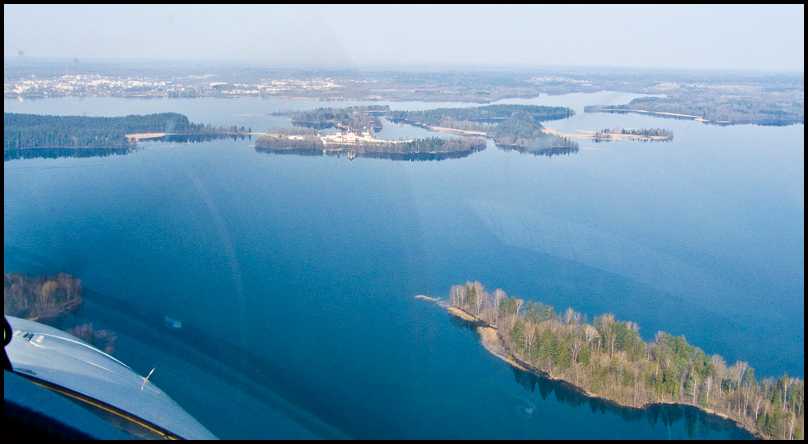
[698, 424]
[696, 421]
[55, 153]
[197, 138]
[350, 155]
[549, 152]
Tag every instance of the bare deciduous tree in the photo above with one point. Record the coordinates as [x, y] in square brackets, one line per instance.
[519, 304]
[604, 320]
[457, 295]
[491, 315]
[572, 317]
[499, 296]
[528, 335]
[575, 349]
[590, 333]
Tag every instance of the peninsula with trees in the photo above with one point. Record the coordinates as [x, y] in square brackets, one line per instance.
[607, 359]
[119, 135]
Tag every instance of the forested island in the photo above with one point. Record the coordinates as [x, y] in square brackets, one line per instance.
[23, 132]
[608, 359]
[53, 301]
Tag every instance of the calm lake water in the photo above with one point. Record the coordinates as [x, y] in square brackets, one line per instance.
[294, 276]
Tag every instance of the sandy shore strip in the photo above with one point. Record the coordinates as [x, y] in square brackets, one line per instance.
[420, 296]
[457, 131]
[138, 136]
[462, 314]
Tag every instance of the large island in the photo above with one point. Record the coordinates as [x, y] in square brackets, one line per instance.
[608, 359]
[510, 126]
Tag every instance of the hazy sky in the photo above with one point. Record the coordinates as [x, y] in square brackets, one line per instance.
[760, 37]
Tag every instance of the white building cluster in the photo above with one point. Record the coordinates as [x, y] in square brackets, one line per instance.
[96, 85]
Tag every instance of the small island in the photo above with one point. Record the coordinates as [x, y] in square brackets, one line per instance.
[608, 359]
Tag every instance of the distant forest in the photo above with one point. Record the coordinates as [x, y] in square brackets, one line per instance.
[27, 131]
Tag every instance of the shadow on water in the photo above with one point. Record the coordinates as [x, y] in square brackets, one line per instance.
[698, 424]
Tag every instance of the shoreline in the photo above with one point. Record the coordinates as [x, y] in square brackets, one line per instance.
[492, 341]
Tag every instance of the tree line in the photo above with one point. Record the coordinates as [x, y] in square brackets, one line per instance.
[608, 358]
[25, 131]
[488, 114]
